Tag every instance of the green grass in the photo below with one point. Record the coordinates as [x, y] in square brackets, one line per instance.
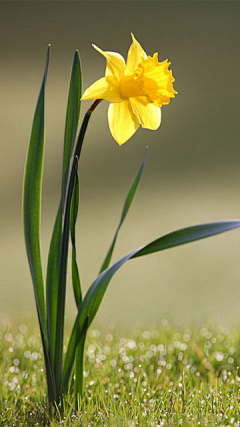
[160, 377]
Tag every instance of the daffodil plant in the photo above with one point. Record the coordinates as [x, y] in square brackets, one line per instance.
[136, 91]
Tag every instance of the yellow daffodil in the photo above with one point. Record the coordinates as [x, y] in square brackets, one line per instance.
[136, 90]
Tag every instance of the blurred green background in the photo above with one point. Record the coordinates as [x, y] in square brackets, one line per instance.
[193, 169]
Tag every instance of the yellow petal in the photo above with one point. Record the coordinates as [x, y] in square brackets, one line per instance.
[148, 115]
[135, 55]
[157, 80]
[115, 63]
[122, 122]
[106, 88]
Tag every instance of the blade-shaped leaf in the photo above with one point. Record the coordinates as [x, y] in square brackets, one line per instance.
[72, 118]
[187, 235]
[64, 244]
[95, 294]
[53, 267]
[32, 191]
[79, 363]
[52, 280]
[61, 291]
[125, 210]
[73, 218]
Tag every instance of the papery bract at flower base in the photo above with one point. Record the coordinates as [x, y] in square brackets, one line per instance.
[136, 90]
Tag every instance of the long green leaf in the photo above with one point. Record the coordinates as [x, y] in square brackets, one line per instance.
[73, 218]
[95, 294]
[79, 363]
[52, 280]
[54, 256]
[32, 191]
[32, 200]
[72, 118]
[64, 246]
[78, 381]
[126, 207]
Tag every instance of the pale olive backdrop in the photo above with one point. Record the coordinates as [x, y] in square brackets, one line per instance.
[193, 169]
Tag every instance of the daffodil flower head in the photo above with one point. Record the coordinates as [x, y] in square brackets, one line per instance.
[136, 90]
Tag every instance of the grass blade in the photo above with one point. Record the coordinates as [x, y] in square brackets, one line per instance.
[125, 210]
[95, 294]
[32, 190]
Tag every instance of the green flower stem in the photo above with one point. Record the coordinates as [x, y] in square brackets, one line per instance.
[64, 249]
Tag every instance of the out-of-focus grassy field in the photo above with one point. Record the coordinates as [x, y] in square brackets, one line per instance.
[165, 376]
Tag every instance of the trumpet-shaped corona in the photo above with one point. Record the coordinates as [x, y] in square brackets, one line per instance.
[136, 90]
